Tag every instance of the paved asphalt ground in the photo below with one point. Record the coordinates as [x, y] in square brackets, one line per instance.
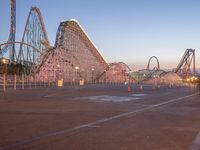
[100, 117]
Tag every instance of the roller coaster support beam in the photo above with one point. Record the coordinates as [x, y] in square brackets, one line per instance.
[16, 42]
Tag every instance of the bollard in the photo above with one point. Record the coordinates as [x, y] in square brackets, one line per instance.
[15, 82]
[140, 88]
[22, 81]
[29, 83]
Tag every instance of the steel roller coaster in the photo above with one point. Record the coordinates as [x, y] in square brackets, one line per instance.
[74, 56]
[28, 52]
[34, 34]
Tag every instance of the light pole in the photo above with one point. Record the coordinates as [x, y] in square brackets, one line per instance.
[58, 70]
[5, 61]
[77, 68]
[57, 73]
[144, 77]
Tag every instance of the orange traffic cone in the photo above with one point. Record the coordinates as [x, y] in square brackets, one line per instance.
[129, 88]
[140, 88]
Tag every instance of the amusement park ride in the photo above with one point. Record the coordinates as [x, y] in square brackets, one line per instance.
[73, 57]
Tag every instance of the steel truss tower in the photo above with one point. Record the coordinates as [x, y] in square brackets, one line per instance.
[11, 47]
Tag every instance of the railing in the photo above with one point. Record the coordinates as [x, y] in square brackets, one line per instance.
[21, 82]
[16, 82]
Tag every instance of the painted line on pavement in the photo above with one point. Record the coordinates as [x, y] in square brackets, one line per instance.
[196, 143]
[95, 123]
[50, 95]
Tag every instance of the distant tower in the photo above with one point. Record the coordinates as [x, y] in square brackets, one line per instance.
[12, 30]
[11, 47]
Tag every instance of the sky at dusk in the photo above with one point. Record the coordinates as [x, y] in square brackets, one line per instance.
[123, 30]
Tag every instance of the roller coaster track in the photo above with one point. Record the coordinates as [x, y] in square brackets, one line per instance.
[34, 34]
[158, 64]
[80, 32]
[39, 56]
[111, 65]
[36, 68]
[52, 52]
[183, 68]
[148, 73]
[152, 72]
[155, 73]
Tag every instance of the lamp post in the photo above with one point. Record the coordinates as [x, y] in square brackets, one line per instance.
[144, 76]
[5, 62]
[58, 70]
[57, 73]
[77, 68]
[92, 75]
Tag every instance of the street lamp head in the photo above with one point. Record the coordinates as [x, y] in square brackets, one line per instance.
[76, 67]
[58, 65]
[5, 61]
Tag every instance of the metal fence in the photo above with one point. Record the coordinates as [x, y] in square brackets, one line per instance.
[22, 81]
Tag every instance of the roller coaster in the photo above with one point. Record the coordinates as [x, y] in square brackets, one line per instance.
[148, 73]
[25, 54]
[73, 57]
[183, 70]
[184, 66]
